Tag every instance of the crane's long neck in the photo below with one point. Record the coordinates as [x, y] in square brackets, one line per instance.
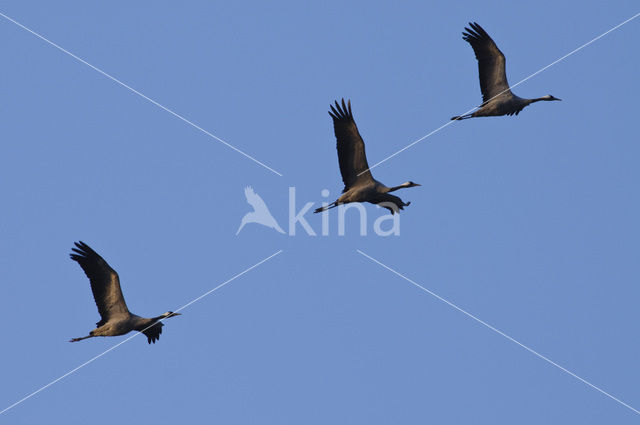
[402, 186]
[164, 316]
[538, 99]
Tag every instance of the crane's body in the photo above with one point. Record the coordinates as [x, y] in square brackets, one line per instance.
[374, 192]
[496, 95]
[115, 317]
[359, 184]
[122, 324]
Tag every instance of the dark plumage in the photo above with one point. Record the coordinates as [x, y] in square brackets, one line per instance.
[359, 184]
[115, 317]
[497, 98]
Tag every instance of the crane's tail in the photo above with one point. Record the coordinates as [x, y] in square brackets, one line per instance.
[461, 117]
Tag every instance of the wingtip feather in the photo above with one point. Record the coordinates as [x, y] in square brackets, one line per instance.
[341, 110]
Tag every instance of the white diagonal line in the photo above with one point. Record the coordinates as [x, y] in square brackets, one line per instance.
[499, 332]
[135, 335]
[175, 114]
[515, 85]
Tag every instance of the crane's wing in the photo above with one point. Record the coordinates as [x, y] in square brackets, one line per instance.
[153, 333]
[351, 155]
[491, 62]
[254, 200]
[105, 283]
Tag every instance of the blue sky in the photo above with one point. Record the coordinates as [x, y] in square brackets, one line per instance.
[528, 222]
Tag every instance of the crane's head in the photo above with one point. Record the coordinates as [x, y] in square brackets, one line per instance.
[410, 184]
[170, 314]
[550, 97]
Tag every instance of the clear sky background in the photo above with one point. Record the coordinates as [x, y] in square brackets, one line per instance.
[529, 222]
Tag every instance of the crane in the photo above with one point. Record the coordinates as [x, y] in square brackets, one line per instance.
[115, 317]
[359, 184]
[497, 98]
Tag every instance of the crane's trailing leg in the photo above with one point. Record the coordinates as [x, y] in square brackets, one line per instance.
[328, 207]
[80, 339]
[461, 117]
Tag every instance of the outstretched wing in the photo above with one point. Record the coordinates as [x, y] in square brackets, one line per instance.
[255, 200]
[351, 154]
[491, 62]
[105, 283]
[153, 333]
